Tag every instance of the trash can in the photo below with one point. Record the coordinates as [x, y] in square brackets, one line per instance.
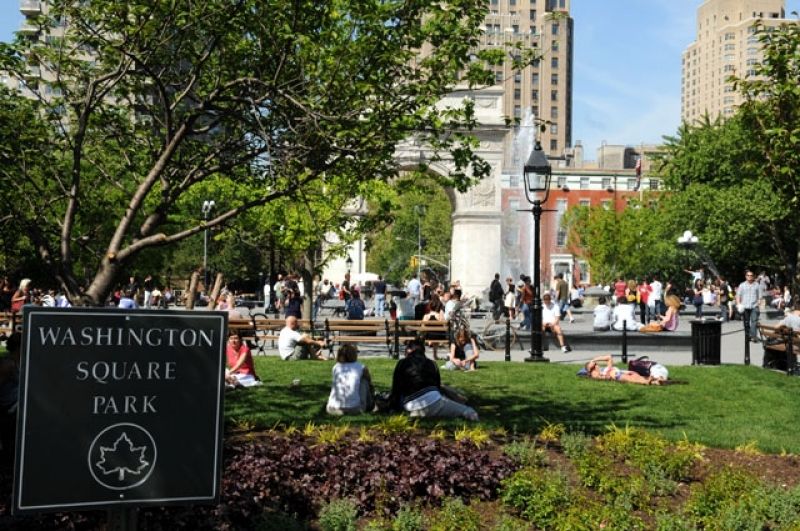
[706, 336]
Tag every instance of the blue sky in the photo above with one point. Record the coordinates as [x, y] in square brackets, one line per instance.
[627, 69]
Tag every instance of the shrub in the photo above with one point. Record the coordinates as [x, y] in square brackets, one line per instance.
[720, 492]
[455, 516]
[575, 444]
[525, 453]
[539, 496]
[407, 519]
[338, 515]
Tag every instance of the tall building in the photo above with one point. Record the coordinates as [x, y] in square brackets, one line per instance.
[726, 44]
[544, 88]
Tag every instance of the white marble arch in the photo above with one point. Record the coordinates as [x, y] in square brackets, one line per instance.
[476, 214]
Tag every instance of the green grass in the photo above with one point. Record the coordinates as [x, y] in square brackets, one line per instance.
[722, 407]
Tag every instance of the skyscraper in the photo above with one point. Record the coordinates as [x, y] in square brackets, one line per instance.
[546, 86]
[726, 44]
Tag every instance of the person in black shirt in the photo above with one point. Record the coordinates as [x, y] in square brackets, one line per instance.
[380, 296]
[417, 388]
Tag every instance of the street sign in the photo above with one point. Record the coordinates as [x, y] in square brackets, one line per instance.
[119, 408]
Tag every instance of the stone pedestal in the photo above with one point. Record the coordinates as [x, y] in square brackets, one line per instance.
[476, 250]
[592, 295]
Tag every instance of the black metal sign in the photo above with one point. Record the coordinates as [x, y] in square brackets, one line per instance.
[119, 408]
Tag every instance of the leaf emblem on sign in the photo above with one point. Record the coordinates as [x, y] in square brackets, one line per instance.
[122, 458]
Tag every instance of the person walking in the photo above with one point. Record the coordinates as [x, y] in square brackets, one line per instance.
[748, 296]
[380, 296]
[496, 297]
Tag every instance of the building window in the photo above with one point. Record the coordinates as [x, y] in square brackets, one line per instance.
[584, 183]
[553, 113]
[513, 182]
[513, 204]
[631, 183]
[553, 95]
[553, 145]
[554, 29]
[606, 204]
[728, 57]
[654, 184]
[730, 36]
[561, 236]
[730, 47]
[517, 111]
[554, 62]
[517, 94]
[729, 88]
[554, 46]
[752, 73]
[515, 29]
[553, 129]
[606, 183]
[535, 95]
[752, 62]
[512, 2]
[554, 79]
[517, 78]
[498, 77]
[585, 203]
[728, 100]
[535, 79]
[729, 68]
[533, 15]
[562, 181]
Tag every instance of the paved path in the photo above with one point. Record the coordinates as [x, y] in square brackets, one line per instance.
[732, 345]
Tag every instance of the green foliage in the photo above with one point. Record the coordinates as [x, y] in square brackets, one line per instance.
[540, 496]
[418, 198]
[743, 172]
[575, 444]
[525, 452]
[297, 107]
[338, 515]
[454, 515]
[407, 519]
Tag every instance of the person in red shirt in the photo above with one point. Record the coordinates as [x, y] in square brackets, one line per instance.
[241, 371]
[643, 295]
[619, 288]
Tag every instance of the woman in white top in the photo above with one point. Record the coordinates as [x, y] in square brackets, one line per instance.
[623, 313]
[351, 390]
[602, 316]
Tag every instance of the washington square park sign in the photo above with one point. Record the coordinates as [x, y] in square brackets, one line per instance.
[119, 408]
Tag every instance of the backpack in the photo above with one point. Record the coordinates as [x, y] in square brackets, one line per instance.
[641, 365]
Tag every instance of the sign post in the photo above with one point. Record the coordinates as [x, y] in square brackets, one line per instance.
[119, 409]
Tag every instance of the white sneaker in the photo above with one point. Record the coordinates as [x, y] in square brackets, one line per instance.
[565, 349]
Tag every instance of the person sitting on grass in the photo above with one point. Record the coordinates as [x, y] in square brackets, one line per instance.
[241, 371]
[292, 345]
[463, 352]
[669, 321]
[417, 388]
[351, 389]
[593, 370]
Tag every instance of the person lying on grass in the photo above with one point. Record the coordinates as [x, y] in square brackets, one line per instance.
[610, 372]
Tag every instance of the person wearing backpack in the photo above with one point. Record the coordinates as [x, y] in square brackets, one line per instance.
[355, 306]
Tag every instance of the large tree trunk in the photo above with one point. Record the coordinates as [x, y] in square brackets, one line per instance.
[191, 292]
[212, 298]
[307, 272]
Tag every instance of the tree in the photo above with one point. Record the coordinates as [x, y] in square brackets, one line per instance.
[142, 102]
[390, 250]
[736, 181]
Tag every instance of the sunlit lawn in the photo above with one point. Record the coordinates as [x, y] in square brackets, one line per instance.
[721, 407]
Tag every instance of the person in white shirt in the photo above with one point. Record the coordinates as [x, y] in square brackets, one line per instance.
[405, 307]
[654, 301]
[551, 317]
[602, 316]
[292, 345]
[414, 287]
[623, 315]
[351, 389]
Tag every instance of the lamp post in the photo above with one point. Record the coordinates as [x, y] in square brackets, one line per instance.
[420, 210]
[349, 264]
[537, 173]
[690, 241]
[208, 206]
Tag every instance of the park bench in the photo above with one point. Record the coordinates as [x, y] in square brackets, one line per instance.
[612, 341]
[392, 334]
[261, 332]
[781, 345]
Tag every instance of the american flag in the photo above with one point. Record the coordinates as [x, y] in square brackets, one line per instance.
[638, 174]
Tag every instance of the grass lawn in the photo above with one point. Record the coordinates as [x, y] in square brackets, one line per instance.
[722, 407]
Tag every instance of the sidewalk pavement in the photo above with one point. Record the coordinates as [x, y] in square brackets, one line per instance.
[732, 345]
